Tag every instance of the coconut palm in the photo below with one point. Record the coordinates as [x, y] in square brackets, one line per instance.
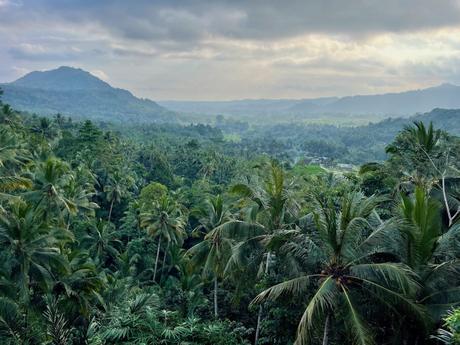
[79, 288]
[339, 252]
[102, 242]
[163, 219]
[46, 128]
[432, 254]
[416, 152]
[215, 250]
[12, 150]
[79, 195]
[416, 137]
[50, 179]
[269, 208]
[33, 246]
[12, 328]
[12, 158]
[114, 191]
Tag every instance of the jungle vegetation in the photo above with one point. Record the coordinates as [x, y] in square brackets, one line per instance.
[172, 235]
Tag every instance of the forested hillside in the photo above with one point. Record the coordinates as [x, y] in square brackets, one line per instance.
[168, 234]
[72, 91]
[330, 143]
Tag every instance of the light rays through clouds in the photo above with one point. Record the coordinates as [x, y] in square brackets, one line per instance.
[238, 49]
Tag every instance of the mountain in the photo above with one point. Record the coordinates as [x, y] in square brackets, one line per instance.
[77, 93]
[409, 102]
[384, 105]
[245, 106]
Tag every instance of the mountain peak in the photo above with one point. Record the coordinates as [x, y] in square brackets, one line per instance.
[62, 78]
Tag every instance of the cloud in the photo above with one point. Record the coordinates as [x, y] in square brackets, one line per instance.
[9, 3]
[100, 74]
[238, 49]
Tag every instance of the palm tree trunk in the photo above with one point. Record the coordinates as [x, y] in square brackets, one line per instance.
[259, 315]
[216, 315]
[164, 261]
[259, 319]
[25, 282]
[111, 208]
[156, 260]
[267, 263]
[326, 330]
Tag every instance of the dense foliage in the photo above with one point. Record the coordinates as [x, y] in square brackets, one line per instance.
[172, 235]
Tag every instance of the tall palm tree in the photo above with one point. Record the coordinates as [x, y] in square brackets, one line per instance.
[102, 242]
[33, 246]
[432, 254]
[114, 192]
[215, 250]
[339, 252]
[12, 149]
[13, 156]
[418, 136]
[79, 288]
[163, 219]
[79, 195]
[50, 179]
[269, 209]
[417, 150]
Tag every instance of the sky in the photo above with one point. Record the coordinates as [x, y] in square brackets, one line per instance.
[235, 49]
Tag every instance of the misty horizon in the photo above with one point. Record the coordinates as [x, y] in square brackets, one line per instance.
[445, 83]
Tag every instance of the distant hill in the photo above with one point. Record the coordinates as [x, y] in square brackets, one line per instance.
[386, 130]
[77, 93]
[246, 106]
[390, 104]
[409, 102]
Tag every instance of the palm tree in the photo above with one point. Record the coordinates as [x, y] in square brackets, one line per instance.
[114, 192]
[12, 158]
[80, 286]
[419, 136]
[33, 246]
[12, 149]
[415, 151]
[12, 328]
[432, 254]
[46, 128]
[163, 219]
[269, 209]
[101, 242]
[215, 250]
[79, 195]
[344, 246]
[50, 179]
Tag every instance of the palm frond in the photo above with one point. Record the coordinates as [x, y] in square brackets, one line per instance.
[239, 230]
[322, 301]
[393, 275]
[12, 183]
[360, 331]
[291, 287]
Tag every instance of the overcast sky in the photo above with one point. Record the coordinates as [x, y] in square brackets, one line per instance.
[213, 50]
